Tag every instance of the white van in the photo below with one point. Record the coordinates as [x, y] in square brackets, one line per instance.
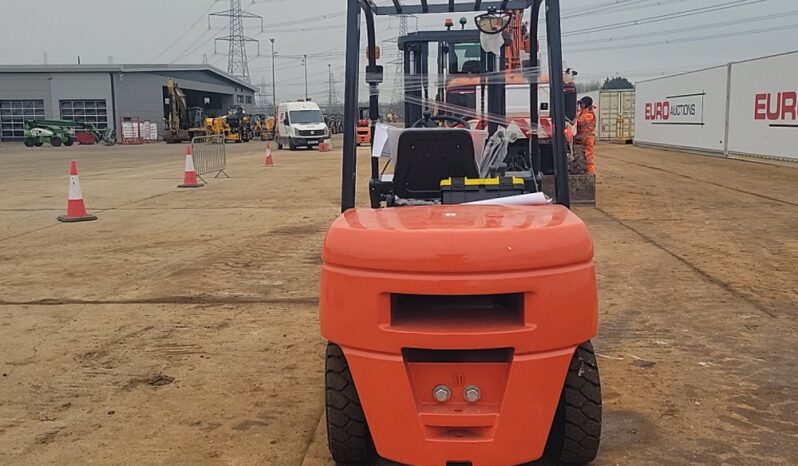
[300, 124]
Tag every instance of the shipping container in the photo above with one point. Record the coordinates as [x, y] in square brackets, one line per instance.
[685, 111]
[616, 115]
[763, 107]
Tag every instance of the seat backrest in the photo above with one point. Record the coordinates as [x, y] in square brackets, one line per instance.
[471, 66]
[425, 156]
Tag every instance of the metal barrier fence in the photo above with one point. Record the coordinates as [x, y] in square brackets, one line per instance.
[210, 155]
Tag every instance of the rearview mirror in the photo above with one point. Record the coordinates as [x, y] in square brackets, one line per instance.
[493, 23]
[286, 122]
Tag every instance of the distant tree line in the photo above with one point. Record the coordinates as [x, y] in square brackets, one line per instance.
[617, 82]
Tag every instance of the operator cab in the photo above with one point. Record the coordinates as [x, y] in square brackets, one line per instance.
[471, 104]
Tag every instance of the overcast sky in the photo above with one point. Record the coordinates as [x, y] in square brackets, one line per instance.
[177, 31]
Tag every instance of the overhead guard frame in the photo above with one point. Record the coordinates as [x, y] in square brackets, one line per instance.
[401, 7]
[352, 77]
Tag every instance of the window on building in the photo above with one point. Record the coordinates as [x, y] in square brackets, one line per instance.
[249, 99]
[94, 112]
[240, 99]
[14, 113]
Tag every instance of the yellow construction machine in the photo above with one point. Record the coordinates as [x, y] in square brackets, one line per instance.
[264, 127]
[183, 122]
[236, 126]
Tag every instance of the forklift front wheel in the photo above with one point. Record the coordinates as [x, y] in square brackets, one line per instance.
[38, 142]
[576, 430]
[69, 141]
[348, 434]
[56, 141]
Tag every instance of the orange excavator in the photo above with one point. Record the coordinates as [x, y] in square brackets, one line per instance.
[458, 333]
[464, 92]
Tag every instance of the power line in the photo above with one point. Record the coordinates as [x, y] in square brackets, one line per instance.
[194, 46]
[664, 17]
[689, 39]
[700, 27]
[174, 41]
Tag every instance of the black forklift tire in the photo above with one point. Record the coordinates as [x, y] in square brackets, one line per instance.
[69, 141]
[38, 142]
[56, 141]
[348, 435]
[576, 430]
[29, 142]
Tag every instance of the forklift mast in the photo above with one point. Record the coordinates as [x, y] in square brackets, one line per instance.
[416, 73]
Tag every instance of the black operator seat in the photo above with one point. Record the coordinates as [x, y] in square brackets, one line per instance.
[471, 67]
[425, 156]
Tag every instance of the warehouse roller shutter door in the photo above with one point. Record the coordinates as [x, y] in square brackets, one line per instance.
[14, 113]
[94, 112]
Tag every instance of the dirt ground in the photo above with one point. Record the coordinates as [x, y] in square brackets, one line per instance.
[182, 326]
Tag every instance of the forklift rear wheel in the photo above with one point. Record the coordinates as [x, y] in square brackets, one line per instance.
[576, 430]
[56, 141]
[69, 141]
[29, 142]
[348, 434]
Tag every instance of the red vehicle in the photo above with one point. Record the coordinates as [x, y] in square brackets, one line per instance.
[457, 334]
[363, 128]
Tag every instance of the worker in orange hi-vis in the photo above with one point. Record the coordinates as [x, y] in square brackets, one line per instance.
[586, 131]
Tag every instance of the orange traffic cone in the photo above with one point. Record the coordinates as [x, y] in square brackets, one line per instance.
[190, 176]
[76, 209]
[269, 162]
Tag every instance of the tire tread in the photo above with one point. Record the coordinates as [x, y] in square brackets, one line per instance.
[348, 435]
[576, 431]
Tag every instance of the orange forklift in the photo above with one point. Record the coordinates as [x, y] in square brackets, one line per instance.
[458, 332]
[363, 127]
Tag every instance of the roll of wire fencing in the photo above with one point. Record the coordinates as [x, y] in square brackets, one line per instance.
[210, 155]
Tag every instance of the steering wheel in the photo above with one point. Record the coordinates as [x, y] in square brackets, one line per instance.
[429, 121]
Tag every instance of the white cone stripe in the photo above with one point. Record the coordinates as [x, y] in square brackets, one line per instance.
[189, 164]
[74, 188]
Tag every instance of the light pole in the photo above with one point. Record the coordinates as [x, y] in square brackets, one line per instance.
[330, 88]
[306, 77]
[274, 82]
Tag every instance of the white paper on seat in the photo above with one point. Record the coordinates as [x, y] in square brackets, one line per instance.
[380, 139]
[522, 199]
[480, 137]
